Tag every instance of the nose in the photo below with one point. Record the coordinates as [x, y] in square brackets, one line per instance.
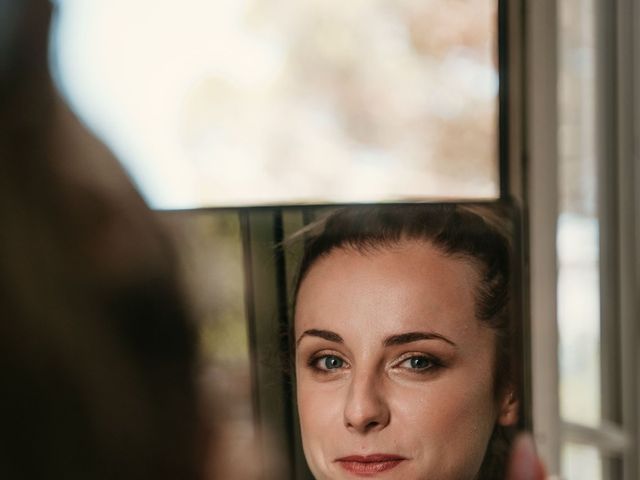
[366, 407]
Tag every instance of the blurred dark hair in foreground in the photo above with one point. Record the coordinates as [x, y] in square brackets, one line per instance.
[96, 349]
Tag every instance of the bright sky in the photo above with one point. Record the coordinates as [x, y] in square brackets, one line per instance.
[199, 100]
[134, 61]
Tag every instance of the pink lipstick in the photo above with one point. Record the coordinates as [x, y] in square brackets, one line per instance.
[369, 465]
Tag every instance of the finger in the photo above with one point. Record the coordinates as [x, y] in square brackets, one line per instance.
[524, 463]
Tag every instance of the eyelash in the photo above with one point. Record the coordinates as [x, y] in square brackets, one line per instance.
[434, 365]
[314, 360]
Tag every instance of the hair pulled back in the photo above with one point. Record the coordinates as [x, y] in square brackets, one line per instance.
[479, 234]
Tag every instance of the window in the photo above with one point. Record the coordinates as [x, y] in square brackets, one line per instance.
[583, 233]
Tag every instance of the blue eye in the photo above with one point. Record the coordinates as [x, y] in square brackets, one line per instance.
[420, 363]
[331, 362]
[327, 363]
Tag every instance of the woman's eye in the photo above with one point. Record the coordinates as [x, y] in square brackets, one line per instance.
[328, 362]
[420, 363]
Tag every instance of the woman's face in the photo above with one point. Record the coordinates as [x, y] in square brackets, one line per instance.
[394, 371]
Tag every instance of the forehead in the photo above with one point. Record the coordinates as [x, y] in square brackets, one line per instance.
[408, 286]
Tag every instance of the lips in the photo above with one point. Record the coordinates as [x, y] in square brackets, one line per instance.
[369, 465]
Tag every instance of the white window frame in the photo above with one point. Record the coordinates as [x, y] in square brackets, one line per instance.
[536, 149]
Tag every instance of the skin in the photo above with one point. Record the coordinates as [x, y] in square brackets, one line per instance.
[524, 463]
[363, 388]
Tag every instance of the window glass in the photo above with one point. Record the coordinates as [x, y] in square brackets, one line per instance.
[578, 226]
[581, 462]
[273, 101]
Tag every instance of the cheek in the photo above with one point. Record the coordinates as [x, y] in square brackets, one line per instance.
[321, 424]
[451, 421]
[319, 407]
[447, 407]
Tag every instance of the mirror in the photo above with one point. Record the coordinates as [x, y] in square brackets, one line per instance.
[415, 295]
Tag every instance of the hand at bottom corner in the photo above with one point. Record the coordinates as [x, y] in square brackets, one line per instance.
[524, 463]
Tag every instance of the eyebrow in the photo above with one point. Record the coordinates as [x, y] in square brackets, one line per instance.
[326, 334]
[409, 337]
[399, 339]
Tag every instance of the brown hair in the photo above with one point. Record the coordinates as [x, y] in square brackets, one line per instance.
[480, 234]
[97, 347]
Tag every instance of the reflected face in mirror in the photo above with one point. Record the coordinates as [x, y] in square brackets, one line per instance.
[395, 373]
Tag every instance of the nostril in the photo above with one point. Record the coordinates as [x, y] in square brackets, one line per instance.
[364, 425]
[371, 425]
